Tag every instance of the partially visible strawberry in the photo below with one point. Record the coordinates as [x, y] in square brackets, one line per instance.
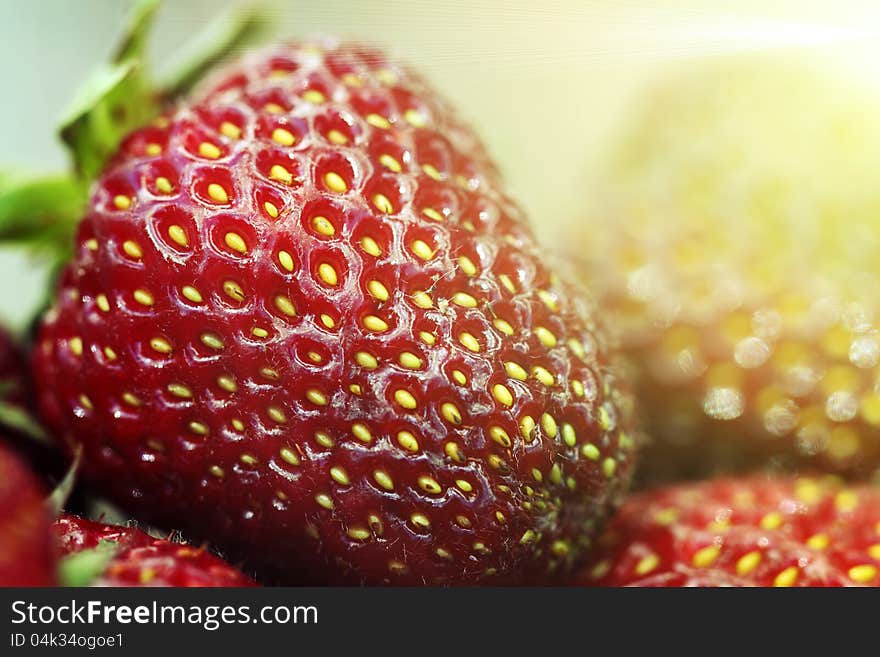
[126, 556]
[743, 532]
[26, 555]
[305, 323]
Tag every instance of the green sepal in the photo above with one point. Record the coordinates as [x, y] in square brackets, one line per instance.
[117, 99]
[40, 212]
[232, 30]
[114, 102]
[8, 179]
[121, 96]
[57, 499]
[133, 43]
[19, 420]
[109, 513]
[84, 567]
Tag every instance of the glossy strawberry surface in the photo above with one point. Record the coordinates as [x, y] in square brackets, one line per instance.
[743, 532]
[305, 323]
[142, 560]
[26, 555]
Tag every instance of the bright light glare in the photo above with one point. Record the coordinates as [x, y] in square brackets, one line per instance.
[764, 34]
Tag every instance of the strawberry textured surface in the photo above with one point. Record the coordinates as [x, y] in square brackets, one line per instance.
[743, 532]
[305, 323]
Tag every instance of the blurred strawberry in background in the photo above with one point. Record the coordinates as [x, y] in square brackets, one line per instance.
[735, 250]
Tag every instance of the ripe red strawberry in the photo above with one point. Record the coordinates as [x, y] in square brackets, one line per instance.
[743, 532]
[26, 556]
[304, 322]
[135, 558]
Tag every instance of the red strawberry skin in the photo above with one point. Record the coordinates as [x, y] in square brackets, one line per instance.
[743, 532]
[26, 554]
[142, 560]
[304, 323]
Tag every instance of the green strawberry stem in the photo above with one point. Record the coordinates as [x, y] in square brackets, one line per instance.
[84, 567]
[133, 42]
[117, 99]
[41, 213]
[19, 420]
[57, 499]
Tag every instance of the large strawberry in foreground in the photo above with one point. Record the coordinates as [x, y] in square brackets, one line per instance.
[110, 555]
[743, 532]
[304, 322]
[26, 554]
